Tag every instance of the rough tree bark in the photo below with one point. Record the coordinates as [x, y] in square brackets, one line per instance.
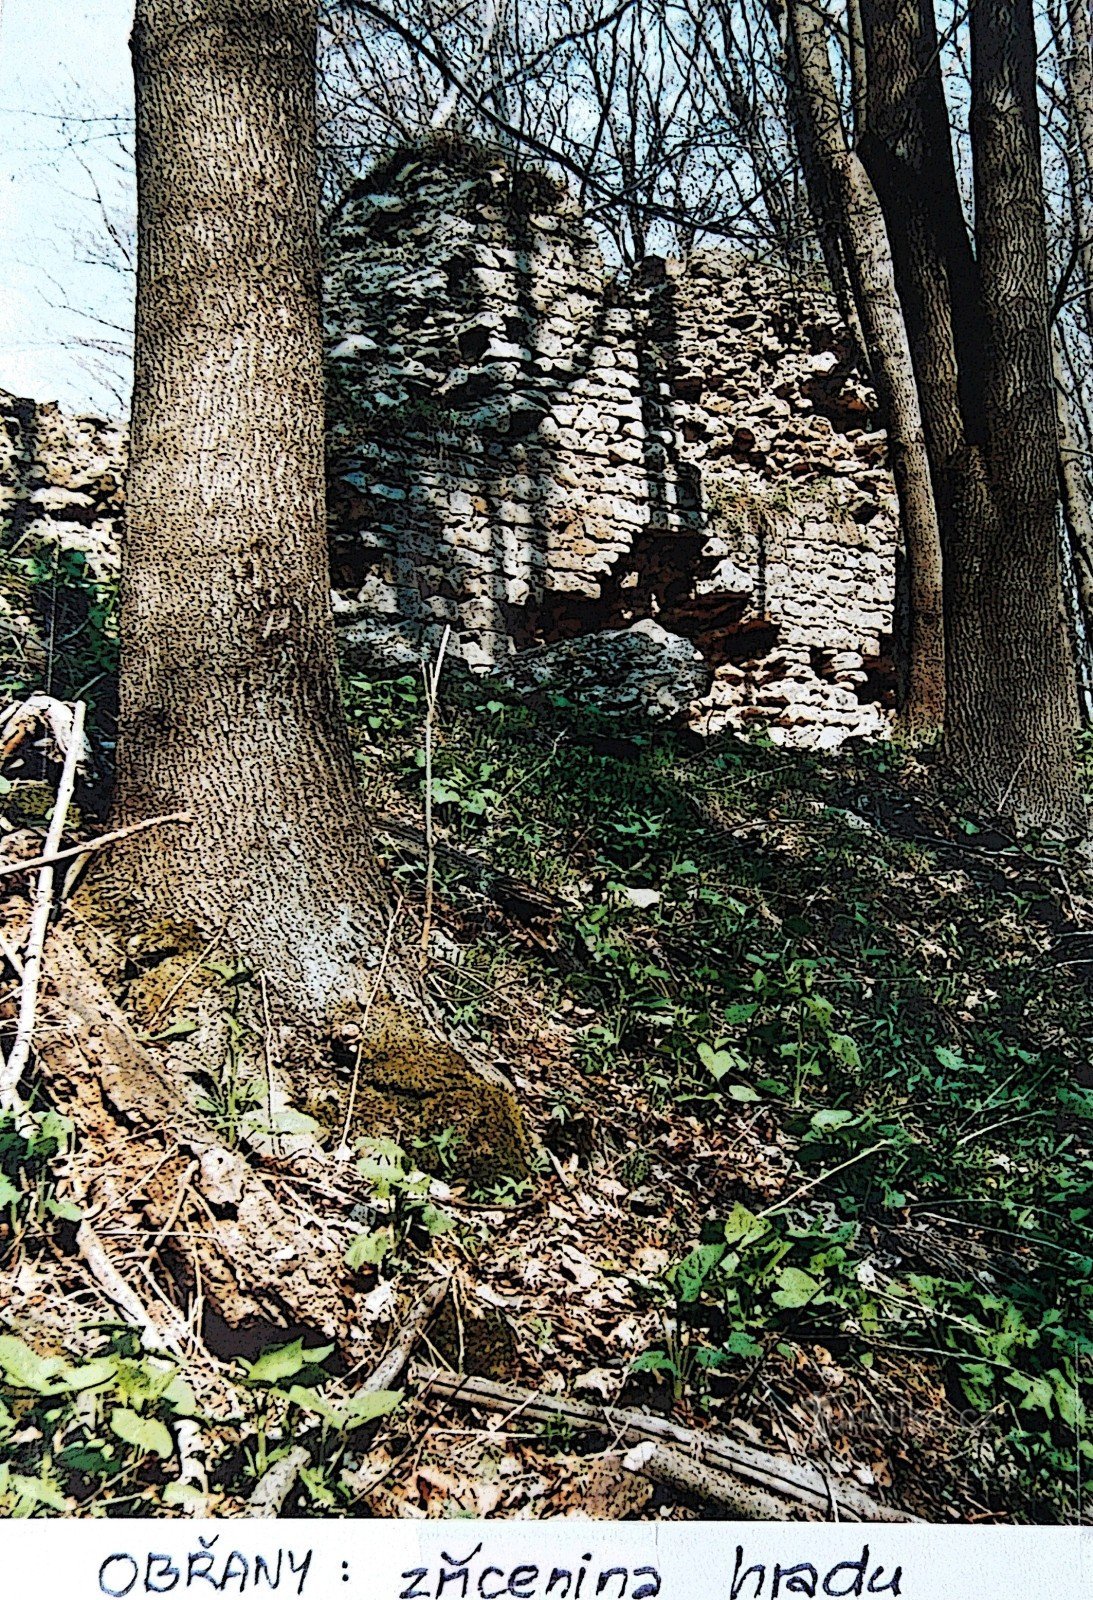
[978, 328]
[229, 694]
[869, 259]
[1078, 73]
[1014, 710]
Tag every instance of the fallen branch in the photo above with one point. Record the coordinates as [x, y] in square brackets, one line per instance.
[153, 1335]
[276, 1484]
[777, 1475]
[687, 1475]
[390, 1369]
[51, 855]
[16, 1064]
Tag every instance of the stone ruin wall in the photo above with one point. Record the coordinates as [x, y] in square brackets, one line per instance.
[528, 450]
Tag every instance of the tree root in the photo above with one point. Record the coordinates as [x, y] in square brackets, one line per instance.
[248, 1261]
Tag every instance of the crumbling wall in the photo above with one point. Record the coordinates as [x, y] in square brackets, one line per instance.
[527, 449]
[61, 481]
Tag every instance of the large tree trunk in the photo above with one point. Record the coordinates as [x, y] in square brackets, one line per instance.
[869, 259]
[980, 367]
[229, 698]
[229, 694]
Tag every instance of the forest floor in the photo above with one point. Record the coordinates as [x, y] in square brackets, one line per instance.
[805, 1048]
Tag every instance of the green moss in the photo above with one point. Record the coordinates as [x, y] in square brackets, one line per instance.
[412, 1083]
[30, 804]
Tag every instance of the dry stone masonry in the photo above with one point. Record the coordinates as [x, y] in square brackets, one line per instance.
[662, 491]
[529, 449]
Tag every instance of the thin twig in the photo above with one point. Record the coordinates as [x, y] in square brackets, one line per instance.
[390, 1368]
[180, 984]
[51, 854]
[16, 1063]
[267, 1052]
[343, 1151]
[431, 678]
[780, 1205]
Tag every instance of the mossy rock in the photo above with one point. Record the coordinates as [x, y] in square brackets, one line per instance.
[414, 1085]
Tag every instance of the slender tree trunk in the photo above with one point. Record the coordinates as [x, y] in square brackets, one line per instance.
[1013, 707]
[822, 204]
[1078, 512]
[979, 338]
[1078, 73]
[869, 258]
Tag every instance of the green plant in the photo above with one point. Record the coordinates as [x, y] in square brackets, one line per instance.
[232, 1099]
[72, 1429]
[400, 1192]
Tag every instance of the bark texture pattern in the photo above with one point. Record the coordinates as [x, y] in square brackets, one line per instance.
[229, 702]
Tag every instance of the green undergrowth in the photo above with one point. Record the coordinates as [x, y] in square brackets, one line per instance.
[832, 950]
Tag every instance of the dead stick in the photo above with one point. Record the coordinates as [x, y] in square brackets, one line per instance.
[685, 1474]
[51, 854]
[153, 1336]
[387, 1374]
[804, 1485]
[15, 1066]
[275, 1484]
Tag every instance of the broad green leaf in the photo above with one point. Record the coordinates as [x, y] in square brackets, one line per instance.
[742, 1092]
[146, 1434]
[371, 1403]
[284, 1361]
[692, 1272]
[831, 1119]
[795, 1288]
[719, 1062]
[26, 1369]
[740, 1343]
[180, 1397]
[187, 1495]
[743, 1226]
[654, 1361]
[820, 1009]
[90, 1374]
[436, 1221]
[368, 1249]
[9, 1194]
[317, 1405]
[844, 1049]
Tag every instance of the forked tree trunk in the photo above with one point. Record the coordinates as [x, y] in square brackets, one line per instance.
[869, 260]
[229, 697]
[978, 331]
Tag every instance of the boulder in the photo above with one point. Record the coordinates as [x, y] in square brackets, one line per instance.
[642, 670]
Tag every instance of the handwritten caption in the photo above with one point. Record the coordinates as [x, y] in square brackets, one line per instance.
[477, 1576]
